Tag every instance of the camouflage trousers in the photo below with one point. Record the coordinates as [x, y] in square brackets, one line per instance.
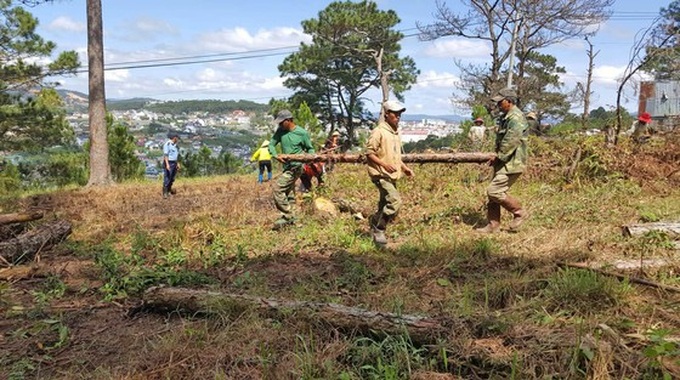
[284, 191]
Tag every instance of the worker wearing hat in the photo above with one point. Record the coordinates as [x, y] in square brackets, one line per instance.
[293, 140]
[641, 130]
[264, 161]
[385, 167]
[508, 164]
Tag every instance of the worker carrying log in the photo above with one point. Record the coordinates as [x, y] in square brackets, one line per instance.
[385, 167]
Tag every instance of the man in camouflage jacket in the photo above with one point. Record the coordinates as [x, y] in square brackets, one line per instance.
[509, 163]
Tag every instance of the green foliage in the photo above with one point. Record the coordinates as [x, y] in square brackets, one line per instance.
[395, 357]
[584, 291]
[29, 121]
[659, 350]
[541, 85]
[306, 119]
[205, 163]
[658, 239]
[124, 162]
[125, 275]
[663, 51]
[648, 216]
[63, 169]
[51, 288]
[10, 178]
[333, 73]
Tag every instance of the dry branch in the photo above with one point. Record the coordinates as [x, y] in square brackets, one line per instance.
[622, 277]
[420, 328]
[19, 217]
[452, 158]
[672, 228]
[28, 244]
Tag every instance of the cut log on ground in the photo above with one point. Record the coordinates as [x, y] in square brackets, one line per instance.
[19, 217]
[622, 277]
[25, 246]
[420, 158]
[420, 329]
[671, 228]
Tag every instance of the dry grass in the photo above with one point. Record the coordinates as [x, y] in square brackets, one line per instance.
[514, 314]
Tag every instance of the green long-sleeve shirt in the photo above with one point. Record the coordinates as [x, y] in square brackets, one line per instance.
[292, 142]
[511, 142]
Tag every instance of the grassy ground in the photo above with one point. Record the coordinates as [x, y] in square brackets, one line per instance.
[513, 312]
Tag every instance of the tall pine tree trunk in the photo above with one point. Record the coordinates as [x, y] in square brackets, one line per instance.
[100, 170]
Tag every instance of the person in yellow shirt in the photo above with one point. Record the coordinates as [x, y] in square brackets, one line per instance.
[264, 160]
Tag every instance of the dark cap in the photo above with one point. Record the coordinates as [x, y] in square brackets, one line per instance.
[173, 135]
[504, 93]
[283, 115]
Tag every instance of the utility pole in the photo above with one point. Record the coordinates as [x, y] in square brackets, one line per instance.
[512, 49]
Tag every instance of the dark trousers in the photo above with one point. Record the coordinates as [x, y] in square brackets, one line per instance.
[265, 164]
[307, 181]
[169, 176]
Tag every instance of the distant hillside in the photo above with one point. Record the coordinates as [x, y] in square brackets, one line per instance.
[77, 102]
[128, 104]
[74, 101]
[209, 106]
[419, 117]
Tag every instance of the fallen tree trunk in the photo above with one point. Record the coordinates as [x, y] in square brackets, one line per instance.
[19, 217]
[420, 329]
[27, 245]
[421, 158]
[622, 277]
[672, 228]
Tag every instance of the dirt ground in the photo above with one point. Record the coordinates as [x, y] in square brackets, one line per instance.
[80, 333]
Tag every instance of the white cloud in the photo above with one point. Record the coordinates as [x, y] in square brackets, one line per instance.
[240, 39]
[66, 24]
[144, 28]
[117, 75]
[608, 74]
[434, 79]
[458, 48]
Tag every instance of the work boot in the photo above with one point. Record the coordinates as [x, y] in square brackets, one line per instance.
[493, 214]
[379, 237]
[519, 215]
[283, 222]
[165, 193]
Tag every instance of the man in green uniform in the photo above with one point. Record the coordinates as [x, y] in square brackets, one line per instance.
[383, 151]
[508, 164]
[293, 140]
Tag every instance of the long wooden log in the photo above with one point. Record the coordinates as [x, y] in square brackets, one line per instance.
[672, 228]
[19, 217]
[420, 328]
[452, 158]
[27, 245]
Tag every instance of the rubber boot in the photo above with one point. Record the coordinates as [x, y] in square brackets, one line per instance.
[519, 215]
[493, 214]
[165, 192]
[378, 227]
[259, 178]
[269, 176]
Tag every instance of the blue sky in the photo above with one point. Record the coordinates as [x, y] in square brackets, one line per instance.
[260, 33]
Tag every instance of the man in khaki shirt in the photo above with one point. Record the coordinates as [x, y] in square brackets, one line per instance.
[383, 151]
